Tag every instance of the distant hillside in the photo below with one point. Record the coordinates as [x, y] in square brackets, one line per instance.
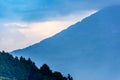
[21, 69]
[89, 50]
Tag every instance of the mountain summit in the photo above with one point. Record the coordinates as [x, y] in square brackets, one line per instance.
[89, 50]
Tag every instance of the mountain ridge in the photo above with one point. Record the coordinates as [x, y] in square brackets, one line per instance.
[89, 48]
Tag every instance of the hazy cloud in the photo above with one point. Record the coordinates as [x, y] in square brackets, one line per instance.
[42, 10]
[9, 38]
[16, 35]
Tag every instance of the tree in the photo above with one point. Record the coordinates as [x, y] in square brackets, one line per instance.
[45, 70]
[69, 77]
[58, 75]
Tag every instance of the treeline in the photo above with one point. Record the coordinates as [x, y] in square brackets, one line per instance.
[21, 69]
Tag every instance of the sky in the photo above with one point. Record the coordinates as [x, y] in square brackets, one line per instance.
[26, 22]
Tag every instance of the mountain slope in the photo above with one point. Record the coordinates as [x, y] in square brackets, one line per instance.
[88, 49]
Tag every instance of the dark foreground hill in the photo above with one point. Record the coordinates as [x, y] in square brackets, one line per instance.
[89, 50]
[21, 69]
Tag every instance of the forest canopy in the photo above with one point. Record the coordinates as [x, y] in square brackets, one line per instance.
[14, 68]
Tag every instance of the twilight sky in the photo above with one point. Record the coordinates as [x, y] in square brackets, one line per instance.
[25, 22]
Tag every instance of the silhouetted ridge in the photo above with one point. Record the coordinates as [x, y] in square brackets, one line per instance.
[21, 69]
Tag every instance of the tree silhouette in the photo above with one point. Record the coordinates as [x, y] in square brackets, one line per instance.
[14, 68]
[69, 77]
[45, 70]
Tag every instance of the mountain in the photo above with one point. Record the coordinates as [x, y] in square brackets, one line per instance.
[12, 68]
[89, 50]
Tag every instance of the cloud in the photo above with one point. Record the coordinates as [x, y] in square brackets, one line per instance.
[42, 10]
[9, 38]
[16, 35]
[16, 25]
